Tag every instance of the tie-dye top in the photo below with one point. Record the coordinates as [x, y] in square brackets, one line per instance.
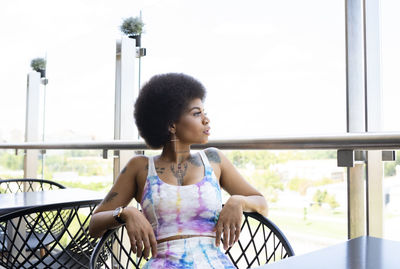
[182, 210]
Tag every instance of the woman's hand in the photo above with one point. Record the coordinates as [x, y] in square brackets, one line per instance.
[229, 222]
[140, 232]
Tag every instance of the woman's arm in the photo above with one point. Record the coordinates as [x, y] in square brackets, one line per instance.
[233, 182]
[124, 189]
[121, 193]
[244, 197]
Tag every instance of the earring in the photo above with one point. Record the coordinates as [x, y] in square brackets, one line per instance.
[174, 140]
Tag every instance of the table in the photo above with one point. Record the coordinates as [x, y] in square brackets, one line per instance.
[59, 198]
[360, 253]
[15, 201]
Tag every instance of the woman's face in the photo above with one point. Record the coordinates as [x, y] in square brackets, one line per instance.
[193, 126]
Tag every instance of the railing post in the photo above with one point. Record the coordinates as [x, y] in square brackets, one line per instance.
[374, 177]
[355, 112]
[364, 113]
[32, 123]
[125, 93]
[356, 198]
[375, 193]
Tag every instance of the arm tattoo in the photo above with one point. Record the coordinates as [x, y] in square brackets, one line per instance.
[109, 197]
[195, 160]
[212, 155]
[180, 172]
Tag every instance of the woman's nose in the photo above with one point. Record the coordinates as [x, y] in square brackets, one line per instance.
[206, 120]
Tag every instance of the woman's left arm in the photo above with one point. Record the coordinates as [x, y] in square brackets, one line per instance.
[244, 197]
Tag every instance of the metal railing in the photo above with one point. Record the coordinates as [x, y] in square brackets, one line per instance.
[351, 149]
[348, 141]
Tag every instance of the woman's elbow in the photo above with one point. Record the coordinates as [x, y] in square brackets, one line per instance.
[263, 210]
[93, 232]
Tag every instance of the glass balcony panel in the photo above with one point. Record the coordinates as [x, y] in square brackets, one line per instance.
[390, 59]
[305, 190]
[391, 199]
[269, 67]
[390, 85]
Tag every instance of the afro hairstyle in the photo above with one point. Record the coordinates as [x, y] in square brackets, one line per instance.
[161, 102]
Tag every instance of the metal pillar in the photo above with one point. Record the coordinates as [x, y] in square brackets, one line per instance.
[355, 112]
[32, 124]
[125, 94]
[364, 114]
[374, 117]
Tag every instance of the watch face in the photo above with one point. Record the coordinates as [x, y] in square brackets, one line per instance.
[117, 214]
[116, 211]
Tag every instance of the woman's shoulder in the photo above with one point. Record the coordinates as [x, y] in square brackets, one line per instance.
[137, 162]
[213, 154]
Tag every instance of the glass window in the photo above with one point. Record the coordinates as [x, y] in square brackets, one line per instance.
[390, 59]
[269, 67]
[390, 91]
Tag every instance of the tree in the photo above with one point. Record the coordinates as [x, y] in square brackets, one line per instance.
[300, 185]
[323, 197]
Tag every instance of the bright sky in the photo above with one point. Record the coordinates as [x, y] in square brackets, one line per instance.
[270, 67]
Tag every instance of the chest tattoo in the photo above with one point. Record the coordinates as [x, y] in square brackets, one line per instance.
[159, 170]
[179, 172]
[195, 160]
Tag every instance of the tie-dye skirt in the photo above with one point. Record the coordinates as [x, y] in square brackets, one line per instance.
[194, 252]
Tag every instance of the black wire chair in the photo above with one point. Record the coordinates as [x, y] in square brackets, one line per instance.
[260, 242]
[70, 247]
[27, 185]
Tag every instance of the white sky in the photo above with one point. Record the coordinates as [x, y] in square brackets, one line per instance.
[270, 67]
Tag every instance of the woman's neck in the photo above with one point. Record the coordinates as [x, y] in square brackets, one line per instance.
[175, 152]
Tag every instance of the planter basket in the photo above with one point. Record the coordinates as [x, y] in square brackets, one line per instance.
[137, 38]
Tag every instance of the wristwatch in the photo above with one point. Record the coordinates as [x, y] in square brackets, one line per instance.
[117, 214]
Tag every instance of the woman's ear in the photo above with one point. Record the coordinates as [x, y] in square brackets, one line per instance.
[172, 128]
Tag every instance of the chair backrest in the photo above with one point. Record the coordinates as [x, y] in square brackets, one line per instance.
[66, 247]
[27, 184]
[10, 186]
[260, 242]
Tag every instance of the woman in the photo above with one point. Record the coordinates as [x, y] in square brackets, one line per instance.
[179, 191]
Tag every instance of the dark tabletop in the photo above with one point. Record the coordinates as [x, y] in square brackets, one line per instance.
[360, 253]
[22, 200]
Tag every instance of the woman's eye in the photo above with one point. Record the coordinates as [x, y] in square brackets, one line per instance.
[197, 114]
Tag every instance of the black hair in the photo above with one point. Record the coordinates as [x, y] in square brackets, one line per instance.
[161, 102]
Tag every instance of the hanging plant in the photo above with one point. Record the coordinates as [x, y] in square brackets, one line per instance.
[39, 65]
[133, 27]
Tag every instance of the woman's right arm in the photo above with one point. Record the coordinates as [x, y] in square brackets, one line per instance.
[124, 189]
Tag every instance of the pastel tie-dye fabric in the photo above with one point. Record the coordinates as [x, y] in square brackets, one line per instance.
[184, 210]
[194, 252]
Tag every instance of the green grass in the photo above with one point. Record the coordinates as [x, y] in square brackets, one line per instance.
[96, 186]
[316, 228]
[314, 224]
